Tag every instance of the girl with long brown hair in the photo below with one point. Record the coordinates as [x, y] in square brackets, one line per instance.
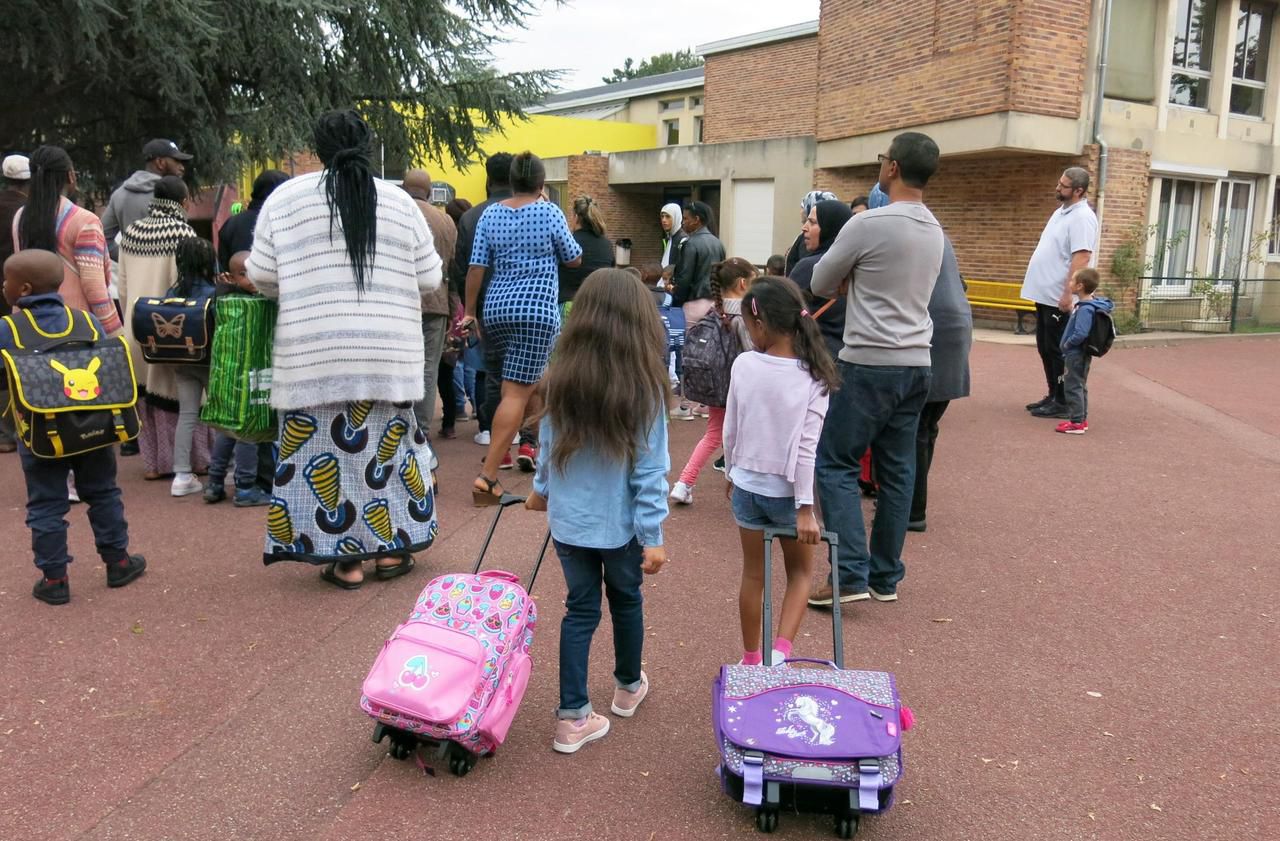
[602, 479]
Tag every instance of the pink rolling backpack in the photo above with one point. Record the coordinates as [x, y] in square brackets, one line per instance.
[454, 674]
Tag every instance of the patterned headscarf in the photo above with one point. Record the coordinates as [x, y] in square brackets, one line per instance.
[812, 198]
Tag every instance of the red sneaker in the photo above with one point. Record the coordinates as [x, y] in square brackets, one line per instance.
[507, 463]
[527, 458]
[1071, 428]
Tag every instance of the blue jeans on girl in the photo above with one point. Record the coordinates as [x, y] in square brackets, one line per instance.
[584, 570]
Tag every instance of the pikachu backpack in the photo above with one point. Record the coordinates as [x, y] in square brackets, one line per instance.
[71, 392]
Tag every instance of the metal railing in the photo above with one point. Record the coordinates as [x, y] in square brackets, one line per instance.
[1204, 305]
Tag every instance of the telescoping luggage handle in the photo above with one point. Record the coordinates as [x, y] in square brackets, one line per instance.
[509, 500]
[837, 633]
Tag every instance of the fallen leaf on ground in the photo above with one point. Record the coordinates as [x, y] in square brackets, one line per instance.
[644, 773]
[1156, 808]
[984, 759]
[939, 620]
[137, 627]
[1094, 694]
[355, 787]
[1105, 733]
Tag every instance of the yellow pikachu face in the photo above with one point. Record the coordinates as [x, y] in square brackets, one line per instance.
[79, 383]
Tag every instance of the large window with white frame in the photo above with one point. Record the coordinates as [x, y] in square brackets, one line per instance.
[1192, 53]
[1232, 243]
[1177, 224]
[1249, 69]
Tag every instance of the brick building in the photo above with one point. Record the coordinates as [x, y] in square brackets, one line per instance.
[1009, 89]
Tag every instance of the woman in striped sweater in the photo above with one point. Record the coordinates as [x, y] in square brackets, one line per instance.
[349, 258]
[52, 222]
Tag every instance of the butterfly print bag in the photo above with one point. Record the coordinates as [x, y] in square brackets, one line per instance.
[174, 330]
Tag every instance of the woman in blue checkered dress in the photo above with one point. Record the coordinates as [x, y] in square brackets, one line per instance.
[523, 239]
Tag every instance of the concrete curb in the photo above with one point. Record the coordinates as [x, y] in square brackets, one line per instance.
[1136, 340]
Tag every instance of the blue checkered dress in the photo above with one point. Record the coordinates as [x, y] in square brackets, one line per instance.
[521, 319]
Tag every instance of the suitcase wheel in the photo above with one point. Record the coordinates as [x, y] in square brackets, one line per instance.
[847, 825]
[767, 820]
[461, 760]
[400, 750]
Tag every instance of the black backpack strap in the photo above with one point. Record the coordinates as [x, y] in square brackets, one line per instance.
[31, 339]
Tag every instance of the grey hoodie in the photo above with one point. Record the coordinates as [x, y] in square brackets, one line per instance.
[128, 204]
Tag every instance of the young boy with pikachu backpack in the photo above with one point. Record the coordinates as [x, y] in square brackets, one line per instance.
[72, 395]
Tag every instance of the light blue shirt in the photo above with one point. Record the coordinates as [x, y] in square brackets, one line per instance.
[598, 503]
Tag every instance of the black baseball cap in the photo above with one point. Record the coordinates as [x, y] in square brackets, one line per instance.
[159, 148]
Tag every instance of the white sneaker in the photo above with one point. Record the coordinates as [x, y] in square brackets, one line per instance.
[482, 438]
[682, 412]
[777, 658]
[681, 494]
[185, 484]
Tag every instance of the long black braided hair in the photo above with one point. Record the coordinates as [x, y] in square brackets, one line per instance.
[50, 173]
[342, 142]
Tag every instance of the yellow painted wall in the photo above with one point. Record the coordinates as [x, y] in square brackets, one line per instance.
[546, 137]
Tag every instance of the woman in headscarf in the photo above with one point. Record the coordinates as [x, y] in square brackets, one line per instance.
[798, 251]
[148, 267]
[826, 218]
[673, 236]
[523, 239]
[349, 258]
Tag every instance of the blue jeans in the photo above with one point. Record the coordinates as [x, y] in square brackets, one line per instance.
[877, 407]
[246, 460]
[584, 570]
[47, 505]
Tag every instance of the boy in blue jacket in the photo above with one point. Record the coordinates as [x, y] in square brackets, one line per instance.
[1076, 377]
[31, 281]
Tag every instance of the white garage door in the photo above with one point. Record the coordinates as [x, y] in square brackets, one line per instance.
[753, 220]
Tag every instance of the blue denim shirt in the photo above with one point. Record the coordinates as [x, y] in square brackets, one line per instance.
[596, 502]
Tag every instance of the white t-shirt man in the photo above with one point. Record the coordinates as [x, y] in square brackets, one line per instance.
[1071, 228]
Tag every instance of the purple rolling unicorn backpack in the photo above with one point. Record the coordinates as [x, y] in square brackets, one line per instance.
[808, 739]
[454, 674]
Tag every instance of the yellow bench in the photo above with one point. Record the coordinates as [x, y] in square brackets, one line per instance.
[1000, 295]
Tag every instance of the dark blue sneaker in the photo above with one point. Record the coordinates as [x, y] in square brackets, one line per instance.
[121, 573]
[52, 592]
[252, 498]
[214, 493]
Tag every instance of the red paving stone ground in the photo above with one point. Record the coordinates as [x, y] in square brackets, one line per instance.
[216, 699]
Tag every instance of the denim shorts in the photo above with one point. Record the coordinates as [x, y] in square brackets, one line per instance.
[753, 511]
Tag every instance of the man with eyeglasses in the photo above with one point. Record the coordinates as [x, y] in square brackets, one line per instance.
[1066, 245]
[888, 260]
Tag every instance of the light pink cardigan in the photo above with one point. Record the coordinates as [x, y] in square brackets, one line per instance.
[773, 419]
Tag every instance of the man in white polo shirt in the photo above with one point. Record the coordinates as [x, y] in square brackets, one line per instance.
[1067, 244]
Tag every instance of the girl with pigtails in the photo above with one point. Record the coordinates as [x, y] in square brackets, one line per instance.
[777, 402]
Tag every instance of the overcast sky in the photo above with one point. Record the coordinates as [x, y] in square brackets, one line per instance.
[588, 38]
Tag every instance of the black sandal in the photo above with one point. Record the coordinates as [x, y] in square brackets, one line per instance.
[488, 497]
[386, 573]
[328, 574]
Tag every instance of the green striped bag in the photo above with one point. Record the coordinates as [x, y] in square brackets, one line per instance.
[239, 399]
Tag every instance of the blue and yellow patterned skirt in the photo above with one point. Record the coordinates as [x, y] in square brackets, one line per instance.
[353, 482]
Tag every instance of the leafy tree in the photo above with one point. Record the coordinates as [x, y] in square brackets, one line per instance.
[236, 80]
[660, 63]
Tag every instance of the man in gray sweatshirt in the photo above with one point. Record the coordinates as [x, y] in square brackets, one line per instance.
[887, 260]
[131, 200]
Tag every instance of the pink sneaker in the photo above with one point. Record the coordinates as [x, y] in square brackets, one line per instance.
[571, 735]
[625, 703]
[1070, 428]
